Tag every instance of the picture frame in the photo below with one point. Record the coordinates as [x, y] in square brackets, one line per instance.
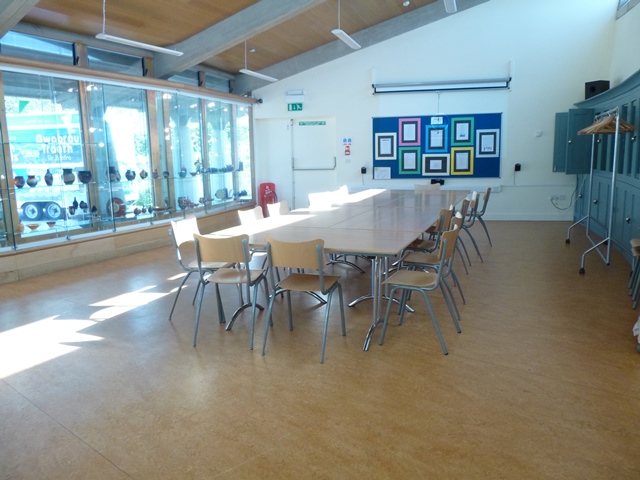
[437, 139]
[409, 130]
[409, 162]
[462, 132]
[488, 143]
[385, 146]
[462, 161]
[435, 165]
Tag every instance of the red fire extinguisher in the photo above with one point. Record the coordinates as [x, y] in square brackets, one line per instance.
[267, 194]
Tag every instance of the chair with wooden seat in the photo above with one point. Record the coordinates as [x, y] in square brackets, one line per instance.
[470, 221]
[480, 213]
[430, 261]
[433, 233]
[408, 281]
[634, 281]
[307, 256]
[182, 232]
[233, 251]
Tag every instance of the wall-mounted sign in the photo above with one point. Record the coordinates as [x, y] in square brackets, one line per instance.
[294, 107]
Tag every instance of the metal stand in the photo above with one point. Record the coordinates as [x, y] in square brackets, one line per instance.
[607, 239]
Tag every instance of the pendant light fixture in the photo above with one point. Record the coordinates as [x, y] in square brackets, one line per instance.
[246, 71]
[344, 36]
[450, 6]
[125, 41]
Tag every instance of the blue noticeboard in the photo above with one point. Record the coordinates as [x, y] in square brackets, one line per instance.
[437, 146]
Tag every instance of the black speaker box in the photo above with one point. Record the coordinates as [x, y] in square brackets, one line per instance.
[591, 89]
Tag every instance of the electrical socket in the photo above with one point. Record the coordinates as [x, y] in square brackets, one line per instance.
[557, 197]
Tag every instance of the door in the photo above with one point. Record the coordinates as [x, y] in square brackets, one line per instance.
[313, 161]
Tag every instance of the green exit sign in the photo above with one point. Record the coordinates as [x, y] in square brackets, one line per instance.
[294, 107]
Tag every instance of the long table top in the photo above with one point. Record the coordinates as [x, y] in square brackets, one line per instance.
[372, 222]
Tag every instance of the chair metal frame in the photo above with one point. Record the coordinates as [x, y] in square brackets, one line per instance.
[419, 281]
[296, 257]
[233, 250]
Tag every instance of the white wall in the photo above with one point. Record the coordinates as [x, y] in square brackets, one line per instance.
[550, 47]
[626, 54]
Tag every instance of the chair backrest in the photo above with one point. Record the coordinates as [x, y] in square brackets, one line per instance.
[444, 219]
[277, 209]
[250, 216]
[464, 207]
[485, 200]
[448, 243]
[182, 231]
[223, 249]
[309, 254]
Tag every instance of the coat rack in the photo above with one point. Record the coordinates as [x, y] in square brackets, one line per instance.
[610, 123]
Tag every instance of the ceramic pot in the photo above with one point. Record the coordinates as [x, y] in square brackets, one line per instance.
[18, 181]
[165, 174]
[155, 174]
[48, 178]
[183, 172]
[130, 174]
[85, 176]
[75, 202]
[32, 181]
[114, 174]
[143, 174]
[84, 206]
[68, 176]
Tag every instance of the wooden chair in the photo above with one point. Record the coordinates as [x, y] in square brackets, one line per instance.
[235, 251]
[431, 260]
[479, 214]
[470, 221]
[306, 256]
[182, 232]
[420, 281]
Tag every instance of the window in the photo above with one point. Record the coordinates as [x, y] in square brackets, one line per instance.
[114, 62]
[37, 48]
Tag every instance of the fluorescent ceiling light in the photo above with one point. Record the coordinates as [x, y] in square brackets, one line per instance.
[133, 43]
[246, 71]
[450, 6]
[125, 41]
[493, 84]
[344, 36]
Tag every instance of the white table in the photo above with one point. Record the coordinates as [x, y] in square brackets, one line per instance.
[378, 223]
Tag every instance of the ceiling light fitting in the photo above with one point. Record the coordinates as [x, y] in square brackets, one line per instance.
[344, 36]
[450, 6]
[493, 84]
[246, 71]
[132, 43]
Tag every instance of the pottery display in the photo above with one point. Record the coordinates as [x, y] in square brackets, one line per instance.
[33, 226]
[165, 174]
[114, 174]
[85, 176]
[68, 177]
[84, 206]
[183, 172]
[18, 181]
[155, 174]
[32, 181]
[137, 211]
[130, 174]
[72, 210]
[51, 224]
[143, 174]
[48, 178]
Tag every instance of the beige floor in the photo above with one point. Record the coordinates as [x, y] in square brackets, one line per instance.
[542, 383]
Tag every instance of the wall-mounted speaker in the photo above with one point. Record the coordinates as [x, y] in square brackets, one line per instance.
[591, 89]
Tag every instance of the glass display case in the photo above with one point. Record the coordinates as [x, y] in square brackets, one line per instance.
[84, 157]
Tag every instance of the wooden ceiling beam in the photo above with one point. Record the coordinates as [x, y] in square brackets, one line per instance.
[214, 40]
[378, 33]
[12, 11]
